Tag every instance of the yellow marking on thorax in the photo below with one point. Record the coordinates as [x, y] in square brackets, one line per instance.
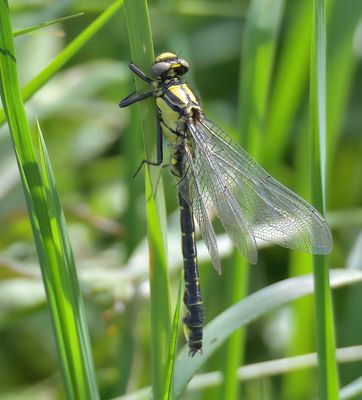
[169, 116]
[183, 93]
[190, 93]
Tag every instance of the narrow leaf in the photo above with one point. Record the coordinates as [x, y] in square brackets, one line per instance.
[139, 31]
[52, 243]
[328, 375]
[61, 59]
[44, 24]
[246, 311]
[173, 344]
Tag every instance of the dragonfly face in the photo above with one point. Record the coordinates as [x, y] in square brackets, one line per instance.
[215, 176]
[168, 65]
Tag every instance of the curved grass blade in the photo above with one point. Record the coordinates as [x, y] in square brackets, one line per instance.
[47, 220]
[61, 59]
[246, 311]
[351, 390]
[267, 369]
[72, 321]
[45, 24]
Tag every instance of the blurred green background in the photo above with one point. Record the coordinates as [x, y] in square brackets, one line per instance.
[95, 148]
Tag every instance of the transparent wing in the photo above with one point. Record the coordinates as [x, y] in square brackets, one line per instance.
[204, 182]
[189, 187]
[227, 174]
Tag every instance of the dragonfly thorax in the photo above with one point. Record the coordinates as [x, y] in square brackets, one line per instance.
[177, 105]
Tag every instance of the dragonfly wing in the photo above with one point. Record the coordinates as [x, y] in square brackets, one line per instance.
[216, 193]
[190, 189]
[276, 213]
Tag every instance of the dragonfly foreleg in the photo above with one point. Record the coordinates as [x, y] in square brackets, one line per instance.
[139, 73]
[134, 97]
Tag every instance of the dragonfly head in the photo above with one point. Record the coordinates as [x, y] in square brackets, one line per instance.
[168, 65]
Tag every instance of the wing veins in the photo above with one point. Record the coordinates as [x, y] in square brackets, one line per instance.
[189, 182]
[247, 244]
[303, 227]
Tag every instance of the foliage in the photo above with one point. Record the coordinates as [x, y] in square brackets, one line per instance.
[252, 71]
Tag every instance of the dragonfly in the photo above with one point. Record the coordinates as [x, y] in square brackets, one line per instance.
[216, 177]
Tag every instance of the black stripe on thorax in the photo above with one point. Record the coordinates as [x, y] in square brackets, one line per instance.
[174, 107]
[172, 100]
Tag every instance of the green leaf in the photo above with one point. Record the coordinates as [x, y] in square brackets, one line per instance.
[173, 344]
[139, 31]
[257, 60]
[267, 369]
[328, 375]
[44, 24]
[258, 50]
[61, 59]
[246, 311]
[351, 390]
[49, 230]
[289, 83]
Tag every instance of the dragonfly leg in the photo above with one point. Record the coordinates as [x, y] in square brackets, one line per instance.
[139, 73]
[159, 150]
[148, 162]
[134, 97]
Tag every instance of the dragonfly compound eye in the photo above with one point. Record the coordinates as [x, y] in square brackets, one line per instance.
[159, 68]
[184, 64]
[179, 67]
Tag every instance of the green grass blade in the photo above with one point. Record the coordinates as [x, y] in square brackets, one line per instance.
[257, 55]
[47, 220]
[267, 369]
[296, 385]
[71, 321]
[173, 343]
[289, 83]
[45, 24]
[258, 52]
[341, 67]
[140, 39]
[328, 376]
[237, 283]
[246, 311]
[351, 390]
[73, 48]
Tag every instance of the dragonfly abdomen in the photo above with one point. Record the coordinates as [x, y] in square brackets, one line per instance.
[194, 318]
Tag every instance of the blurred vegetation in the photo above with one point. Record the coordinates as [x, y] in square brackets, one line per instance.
[95, 148]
